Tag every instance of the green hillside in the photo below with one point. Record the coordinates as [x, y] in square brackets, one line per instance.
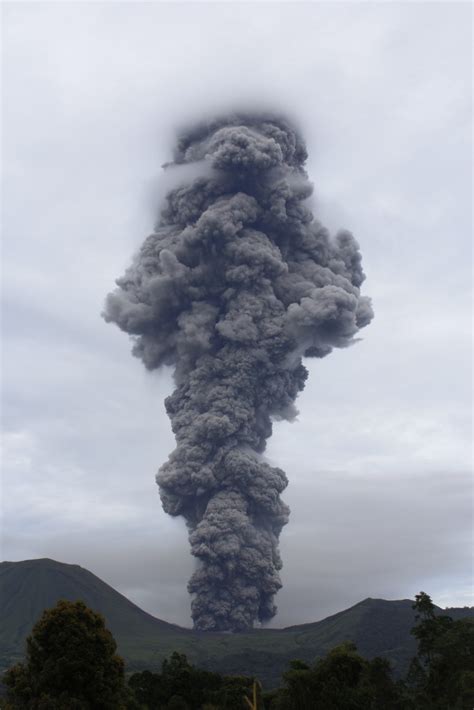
[29, 587]
[378, 627]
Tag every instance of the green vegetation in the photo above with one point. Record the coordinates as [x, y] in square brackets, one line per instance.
[181, 685]
[72, 665]
[342, 680]
[377, 627]
[441, 675]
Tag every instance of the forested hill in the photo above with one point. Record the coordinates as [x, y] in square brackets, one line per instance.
[378, 627]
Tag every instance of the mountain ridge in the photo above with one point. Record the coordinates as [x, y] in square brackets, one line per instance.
[377, 626]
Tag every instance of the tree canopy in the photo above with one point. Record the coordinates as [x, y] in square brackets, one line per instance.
[441, 675]
[71, 663]
[341, 680]
[182, 686]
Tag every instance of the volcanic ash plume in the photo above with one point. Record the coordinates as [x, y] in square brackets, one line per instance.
[237, 283]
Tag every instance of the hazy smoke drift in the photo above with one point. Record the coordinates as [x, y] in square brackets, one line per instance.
[236, 284]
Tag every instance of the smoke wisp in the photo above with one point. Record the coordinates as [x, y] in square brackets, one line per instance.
[236, 284]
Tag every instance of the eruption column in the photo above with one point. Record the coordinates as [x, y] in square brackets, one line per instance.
[237, 283]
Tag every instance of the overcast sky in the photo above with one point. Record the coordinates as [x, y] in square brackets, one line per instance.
[379, 458]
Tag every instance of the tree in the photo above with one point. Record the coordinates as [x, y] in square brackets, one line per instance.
[342, 680]
[71, 664]
[442, 673]
[182, 686]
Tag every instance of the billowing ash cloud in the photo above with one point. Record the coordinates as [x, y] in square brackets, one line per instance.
[235, 285]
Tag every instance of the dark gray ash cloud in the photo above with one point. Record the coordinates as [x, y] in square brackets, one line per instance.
[237, 283]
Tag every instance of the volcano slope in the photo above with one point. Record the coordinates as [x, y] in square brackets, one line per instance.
[378, 627]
